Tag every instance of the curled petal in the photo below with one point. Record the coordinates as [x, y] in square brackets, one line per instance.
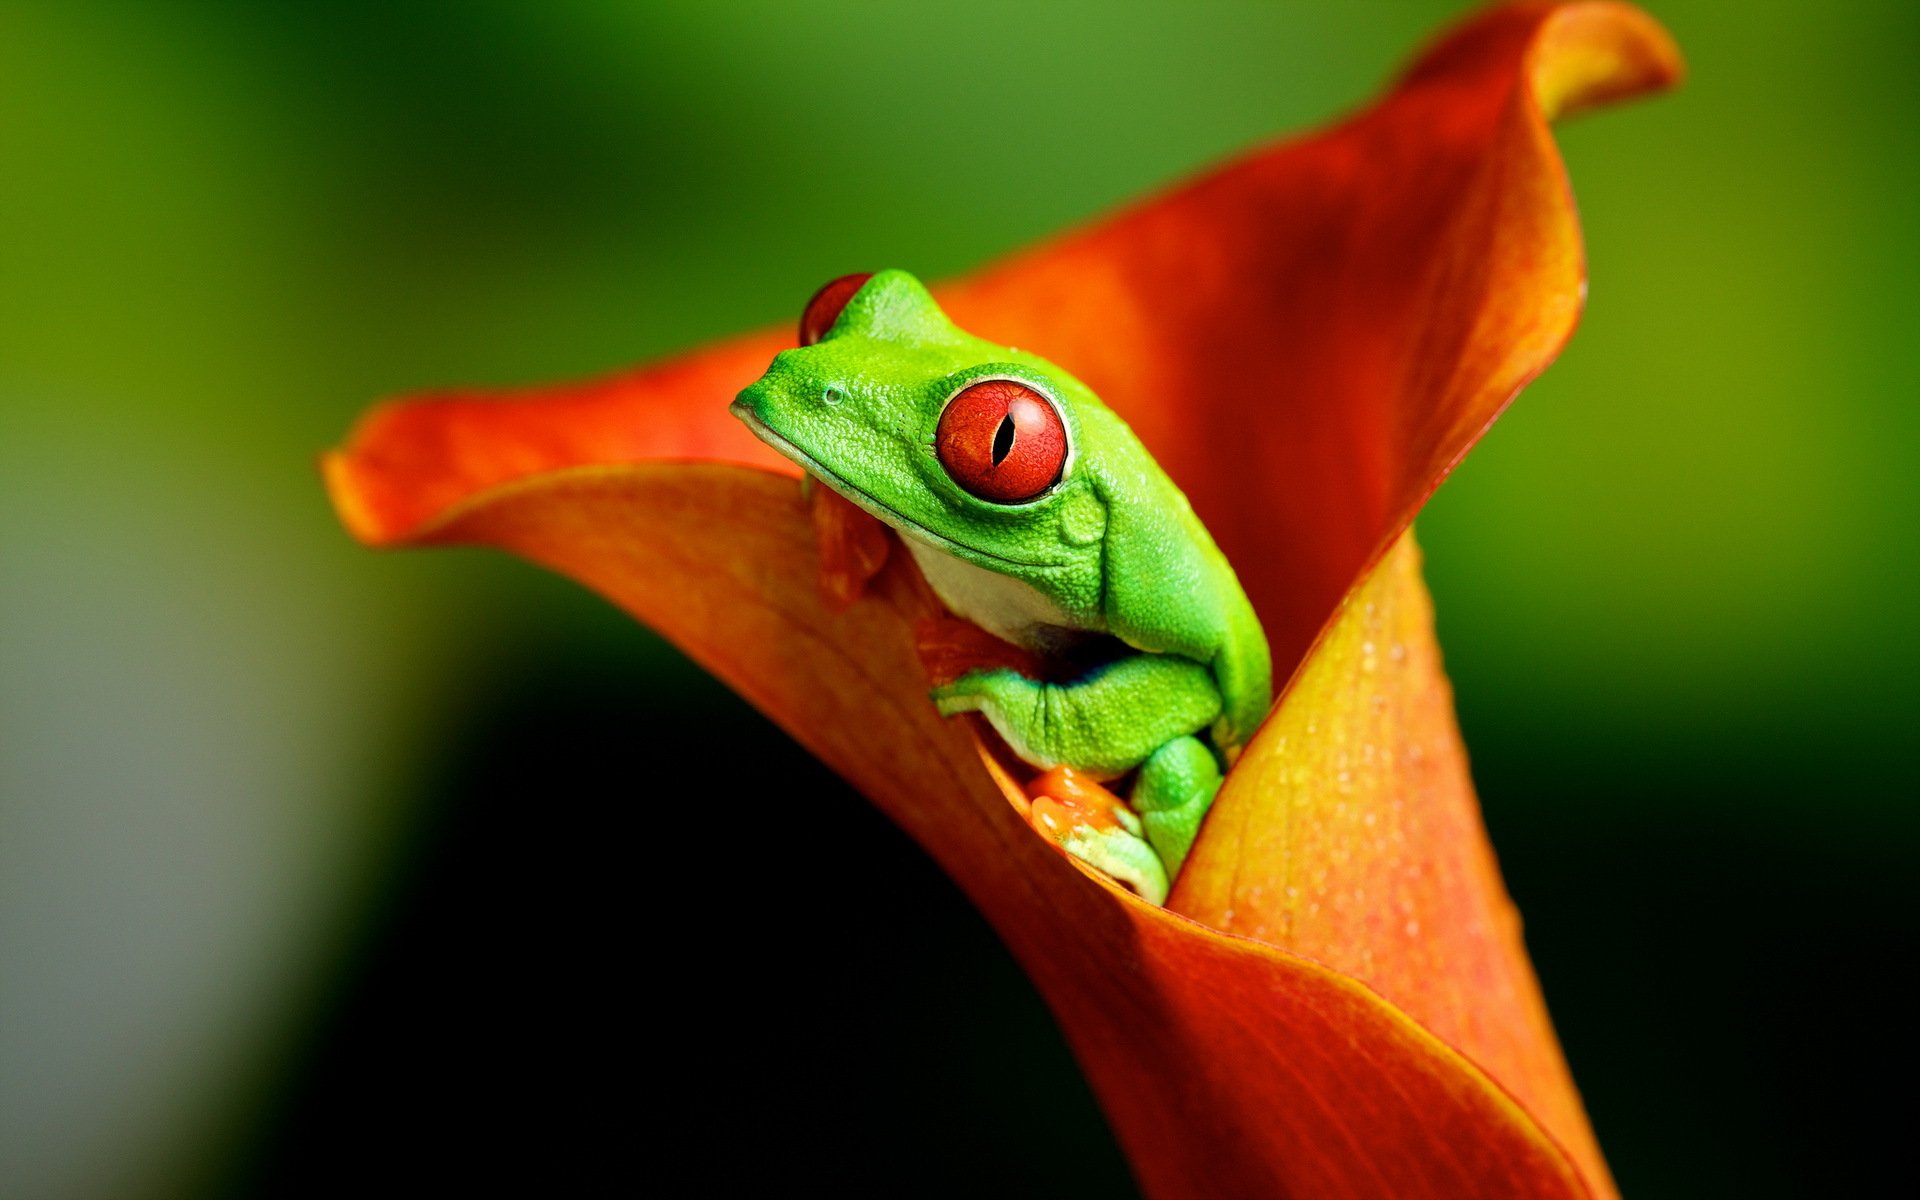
[1228, 1067]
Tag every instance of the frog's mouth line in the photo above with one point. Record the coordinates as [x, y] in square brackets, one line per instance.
[873, 508]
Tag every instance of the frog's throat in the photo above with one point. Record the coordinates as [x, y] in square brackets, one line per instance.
[872, 506]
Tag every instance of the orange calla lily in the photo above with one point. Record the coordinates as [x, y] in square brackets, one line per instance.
[1336, 1001]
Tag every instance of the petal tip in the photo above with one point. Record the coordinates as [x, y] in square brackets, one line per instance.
[1571, 56]
[350, 501]
[1588, 55]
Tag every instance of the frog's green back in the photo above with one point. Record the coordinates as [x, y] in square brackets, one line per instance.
[1168, 589]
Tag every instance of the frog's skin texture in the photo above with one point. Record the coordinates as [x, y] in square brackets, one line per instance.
[1108, 567]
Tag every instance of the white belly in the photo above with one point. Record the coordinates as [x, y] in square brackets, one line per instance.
[999, 604]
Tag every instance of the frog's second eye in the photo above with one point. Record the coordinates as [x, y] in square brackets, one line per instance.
[826, 306]
[1001, 441]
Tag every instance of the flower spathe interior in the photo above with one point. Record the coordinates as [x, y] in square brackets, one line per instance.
[1336, 1000]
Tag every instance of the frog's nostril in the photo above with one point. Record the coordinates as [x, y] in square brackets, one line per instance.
[832, 394]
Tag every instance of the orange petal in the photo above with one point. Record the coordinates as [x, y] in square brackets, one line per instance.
[409, 461]
[1228, 1067]
[1309, 338]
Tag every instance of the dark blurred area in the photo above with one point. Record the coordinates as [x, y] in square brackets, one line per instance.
[552, 1002]
[328, 871]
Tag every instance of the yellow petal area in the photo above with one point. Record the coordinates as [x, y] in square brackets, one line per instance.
[1349, 832]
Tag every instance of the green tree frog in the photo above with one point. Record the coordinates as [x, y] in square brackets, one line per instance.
[1034, 513]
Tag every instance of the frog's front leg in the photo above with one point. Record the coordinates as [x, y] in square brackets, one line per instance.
[1141, 711]
[1107, 722]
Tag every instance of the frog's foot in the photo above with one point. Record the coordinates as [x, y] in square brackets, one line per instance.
[1175, 788]
[1092, 824]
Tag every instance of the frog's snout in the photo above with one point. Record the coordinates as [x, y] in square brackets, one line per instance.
[767, 409]
[786, 392]
[756, 402]
[743, 406]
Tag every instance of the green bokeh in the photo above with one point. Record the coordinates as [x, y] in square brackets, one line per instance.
[1673, 584]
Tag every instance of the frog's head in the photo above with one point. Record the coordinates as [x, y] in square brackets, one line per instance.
[970, 445]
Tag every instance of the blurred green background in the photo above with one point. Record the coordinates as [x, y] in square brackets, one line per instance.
[323, 870]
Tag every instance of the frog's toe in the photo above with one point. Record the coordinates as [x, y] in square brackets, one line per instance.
[1123, 855]
[976, 691]
[1092, 824]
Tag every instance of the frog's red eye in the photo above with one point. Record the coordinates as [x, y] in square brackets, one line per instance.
[824, 309]
[1002, 441]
